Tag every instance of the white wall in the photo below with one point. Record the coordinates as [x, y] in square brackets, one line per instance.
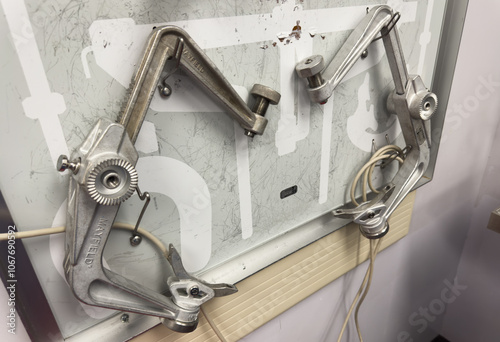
[474, 316]
[450, 212]
[410, 279]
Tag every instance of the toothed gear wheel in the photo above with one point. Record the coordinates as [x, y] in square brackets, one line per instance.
[112, 181]
[428, 106]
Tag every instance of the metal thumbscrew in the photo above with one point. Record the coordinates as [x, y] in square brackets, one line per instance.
[63, 163]
[263, 97]
[311, 68]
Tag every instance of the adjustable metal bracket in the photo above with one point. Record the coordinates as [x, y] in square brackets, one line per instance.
[411, 101]
[104, 176]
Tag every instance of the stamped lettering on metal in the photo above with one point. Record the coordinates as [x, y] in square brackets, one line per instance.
[95, 242]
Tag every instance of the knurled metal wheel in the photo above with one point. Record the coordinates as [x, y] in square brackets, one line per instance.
[428, 106]
[112, 181]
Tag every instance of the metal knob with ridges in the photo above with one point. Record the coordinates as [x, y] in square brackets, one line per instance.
[112, 181]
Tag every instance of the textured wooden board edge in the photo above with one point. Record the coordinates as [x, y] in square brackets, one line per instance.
[261, 297]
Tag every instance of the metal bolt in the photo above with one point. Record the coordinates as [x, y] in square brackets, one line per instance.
[249, 134]
[364, 54]
[124, 318]
[311, 68]
[63, 163]
[194, 291]
[135, 240]
[263, 97]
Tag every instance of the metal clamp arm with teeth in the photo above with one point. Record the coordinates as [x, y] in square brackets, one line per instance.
[104, 176]
[411, 101]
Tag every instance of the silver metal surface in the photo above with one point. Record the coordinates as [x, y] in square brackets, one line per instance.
[63, 163]
[411, 101]
[263, 97]
[107, 158]
[171, 42]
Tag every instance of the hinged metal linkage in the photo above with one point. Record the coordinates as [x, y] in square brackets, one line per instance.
[411, 101]
[104, 176]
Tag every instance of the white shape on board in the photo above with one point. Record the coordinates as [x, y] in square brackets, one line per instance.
[292, 128]
[243, 172]
[326, 143]
[362, 127]
[147, 141]
[425, 37]
[43, 105]
[244, 188]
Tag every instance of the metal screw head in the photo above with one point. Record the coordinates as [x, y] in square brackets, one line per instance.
[364, 54]
[249, 133]
[124, 318]
[135, 240]
[63, 163]
[194, 291]
[310, 66]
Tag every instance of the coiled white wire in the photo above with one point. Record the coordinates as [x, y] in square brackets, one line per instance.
[386, 154]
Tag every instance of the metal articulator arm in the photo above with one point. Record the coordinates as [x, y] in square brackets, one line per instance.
[104, 176]
[411, 101]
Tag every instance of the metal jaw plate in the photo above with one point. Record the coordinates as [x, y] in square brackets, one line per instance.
[104, 176]
[411, 101]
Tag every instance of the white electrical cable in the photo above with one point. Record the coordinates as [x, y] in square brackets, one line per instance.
[374, 247]
[157, 242]
[385, 154]
[55, 230]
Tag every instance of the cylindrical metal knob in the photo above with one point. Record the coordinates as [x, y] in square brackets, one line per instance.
[311, 68]
[263, 97]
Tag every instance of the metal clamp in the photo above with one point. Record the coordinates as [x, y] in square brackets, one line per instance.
[104, 175]
[173, 43]
[411, 101]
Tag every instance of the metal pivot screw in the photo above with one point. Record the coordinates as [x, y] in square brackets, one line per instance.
[311, 68]
[63, 163]
[194, 291]
[263, 97]
[364, 54]
[124, 318]
[135, 240]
